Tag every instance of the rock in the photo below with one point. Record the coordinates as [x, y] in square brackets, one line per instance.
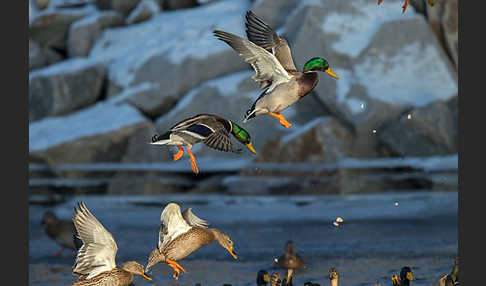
[186, 53]
[443, 18]
[178, 4]
[383, 72]
[430, 130]
[95, 134]
[50, 27]
[64, 87]
[322, 140]
[144, 11]
[84, 32]
[274, 13]
[230, 97]
[41, 4]
[41, 56]
[123, 7]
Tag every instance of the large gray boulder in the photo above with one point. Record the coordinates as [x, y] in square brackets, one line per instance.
[40, 56]
[171, 51]
[425, 131]
[383, 70]
[230, 97]
[121, 6]
[99, 133]
[84, 32]
[64, 87]
[50, 26]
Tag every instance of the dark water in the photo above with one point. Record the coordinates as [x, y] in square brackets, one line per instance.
[375, 240]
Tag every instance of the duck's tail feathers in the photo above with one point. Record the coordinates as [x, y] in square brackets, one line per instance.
[162, 139]
[250, 113]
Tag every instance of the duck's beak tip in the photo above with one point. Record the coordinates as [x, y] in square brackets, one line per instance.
[144, 275]
[250, 146]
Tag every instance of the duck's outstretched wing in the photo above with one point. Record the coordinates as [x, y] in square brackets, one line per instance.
[97, 254]
[265, 64]
[264, 36]
[172, 225]
[193, 220]
[221, 141]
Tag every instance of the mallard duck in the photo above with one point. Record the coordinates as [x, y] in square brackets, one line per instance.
[333, 276]
[405, 277]
[275, 279]
[451, 279]
[262, 278]
[290, 259]
[210, 129]
[275, 70]
[181, 234]
[95, 262]
[61, 231]
[289, 275]
[404, 7]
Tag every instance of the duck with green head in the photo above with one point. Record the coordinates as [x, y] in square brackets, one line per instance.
[270, 56]
[210, 129]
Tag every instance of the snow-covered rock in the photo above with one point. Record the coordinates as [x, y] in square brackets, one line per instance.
[64, 87]
[274, 13]
[144, 11]
[123, 7]
[40, 56]
[95, 134]
[84, 32]
[178, 4]
[175, 49]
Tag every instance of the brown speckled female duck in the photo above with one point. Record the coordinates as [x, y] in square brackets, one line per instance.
[62, 231]
[95, 263]
[180, 235]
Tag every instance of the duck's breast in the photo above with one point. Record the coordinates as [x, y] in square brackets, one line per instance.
[283, 96]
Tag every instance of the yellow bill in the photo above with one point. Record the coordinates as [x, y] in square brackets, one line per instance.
[410, 276]
[329, 71]
[146, 277]
[249, 146]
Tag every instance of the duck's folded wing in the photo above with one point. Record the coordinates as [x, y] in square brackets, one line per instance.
[193, 220]
[266, 65]
[220, 140]
[97, 254]
[172, 225]
[262, 35]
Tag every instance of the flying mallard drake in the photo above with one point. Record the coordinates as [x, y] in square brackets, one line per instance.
[180, 235]
[62, 231]
[275, 70]
[405, 277]
[210, 129]
[95, 263]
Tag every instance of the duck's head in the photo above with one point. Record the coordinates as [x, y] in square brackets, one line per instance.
[225, 241]
[135, 268]
[289, 247]
[333, 276]
[275, 279]
[262, 278]
[49, 218]
[242, 135]
[406, 275]
[319, 64]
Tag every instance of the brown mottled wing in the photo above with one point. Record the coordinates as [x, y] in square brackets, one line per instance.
[193, 220]
[97, 254]
[220, 140]
[264, 36]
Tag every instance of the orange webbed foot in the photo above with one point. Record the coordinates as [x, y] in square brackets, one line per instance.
[379, 2]
[193, 161]
[179, 153]
[282, 120]
[404, 7]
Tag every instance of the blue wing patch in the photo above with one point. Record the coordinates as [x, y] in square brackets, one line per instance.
[200, 129]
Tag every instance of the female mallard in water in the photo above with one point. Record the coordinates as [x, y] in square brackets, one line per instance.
[405, 277]
[95, 263]
[62, 231]
[404, 7]
[333, 276]
[451, 279]
[290, 259]
[275, 70]
[180, 235]
[210, 129]
[262, 278]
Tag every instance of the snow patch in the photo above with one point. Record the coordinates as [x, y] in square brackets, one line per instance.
[302, 129]
[64, 67]
[132, 90]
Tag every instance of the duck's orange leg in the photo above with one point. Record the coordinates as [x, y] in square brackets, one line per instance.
[193, 161]
[404, 7]
[179, 154]
[379, 2]
[280, 117]
[176, 267]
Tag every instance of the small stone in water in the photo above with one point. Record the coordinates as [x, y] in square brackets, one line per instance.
[362, 105]
[276, 260]
[339, 219]
[335, 224]
[409, 116]
[396, 203]
[374, 131]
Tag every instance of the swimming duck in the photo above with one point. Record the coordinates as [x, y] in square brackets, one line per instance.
[404, 7]
[61, 231]
[451, 279]
[333, 276]
[271, 58]
[95, 262]
[180, 235]
[290, 260]
[210, 129]
[405, 277]
[275, 279]
[262, 278]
